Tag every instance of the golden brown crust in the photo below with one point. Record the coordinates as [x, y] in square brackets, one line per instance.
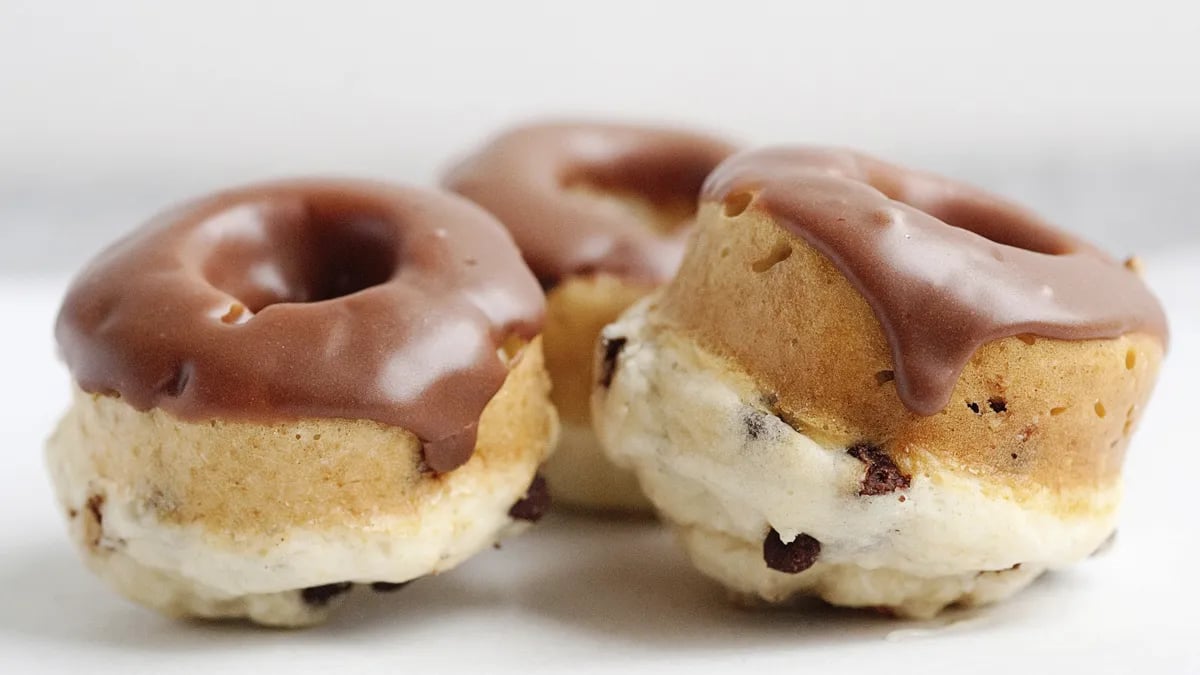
[238, 480]
[1050, 413]
[576, 310]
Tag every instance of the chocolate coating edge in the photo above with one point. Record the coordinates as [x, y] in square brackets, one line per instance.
[524, 176]
[939, 290]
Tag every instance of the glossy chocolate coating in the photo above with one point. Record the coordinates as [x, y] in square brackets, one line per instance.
[308, 299]
[526, 178]
[945, 267]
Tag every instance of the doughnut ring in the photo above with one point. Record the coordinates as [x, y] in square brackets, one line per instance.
[286, 389]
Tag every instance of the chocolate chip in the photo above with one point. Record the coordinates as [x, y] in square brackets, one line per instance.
[95, 505]
[534, 504]
[791, 558]
[388, 587]
[93, 521]
[1014, 568]
[973, 406]
[997, 404]
[884, 376]
[882, 475]
[612, 349]
[319, 596]
[755, 423]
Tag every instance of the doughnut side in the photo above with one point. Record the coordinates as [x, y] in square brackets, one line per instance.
[744, 489]
[1027, 413]
[578, 473]
[274, 522]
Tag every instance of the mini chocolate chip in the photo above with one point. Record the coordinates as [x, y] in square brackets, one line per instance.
[882, 475]
[388, 586]
[791, 558]
[973, 406]
[319, 596]
[95, 504]
[756, 424]
[1014, 455]
[612, 349]
[1006, 569]
[997, 404]
[534, 504]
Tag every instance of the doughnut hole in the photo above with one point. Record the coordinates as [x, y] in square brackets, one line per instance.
[660, 191]
[1002, 223]
[982, 214]
[264, 255]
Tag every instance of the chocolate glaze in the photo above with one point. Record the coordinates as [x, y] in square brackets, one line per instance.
[944, 266]
[525, 178]
[307, 299]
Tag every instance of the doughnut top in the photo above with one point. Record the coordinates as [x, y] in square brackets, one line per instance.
[945, 267]
[308, 298]
[545, 181]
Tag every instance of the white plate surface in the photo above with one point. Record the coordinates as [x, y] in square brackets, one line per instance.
[608, 596]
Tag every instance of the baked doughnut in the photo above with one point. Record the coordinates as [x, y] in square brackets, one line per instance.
[879, 386]
[287, 389]
[601, 213]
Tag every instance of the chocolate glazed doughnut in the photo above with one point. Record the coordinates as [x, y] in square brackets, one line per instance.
[602, 213]
[901, 391]
[270, 381]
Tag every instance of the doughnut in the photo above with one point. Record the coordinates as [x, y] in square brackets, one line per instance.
[286, 390]
[879, 387]
[601, 213]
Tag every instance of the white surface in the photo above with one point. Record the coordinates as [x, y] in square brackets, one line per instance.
[579, 596]
[92, 89]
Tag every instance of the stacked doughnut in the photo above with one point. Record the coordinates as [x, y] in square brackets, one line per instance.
[601, 213]
[879, 386]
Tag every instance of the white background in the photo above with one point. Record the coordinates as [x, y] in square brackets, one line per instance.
[118, 85]
[1089, 111]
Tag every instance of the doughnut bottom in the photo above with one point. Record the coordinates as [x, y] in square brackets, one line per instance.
[579, 475]
[275, 523]
[725, 472]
